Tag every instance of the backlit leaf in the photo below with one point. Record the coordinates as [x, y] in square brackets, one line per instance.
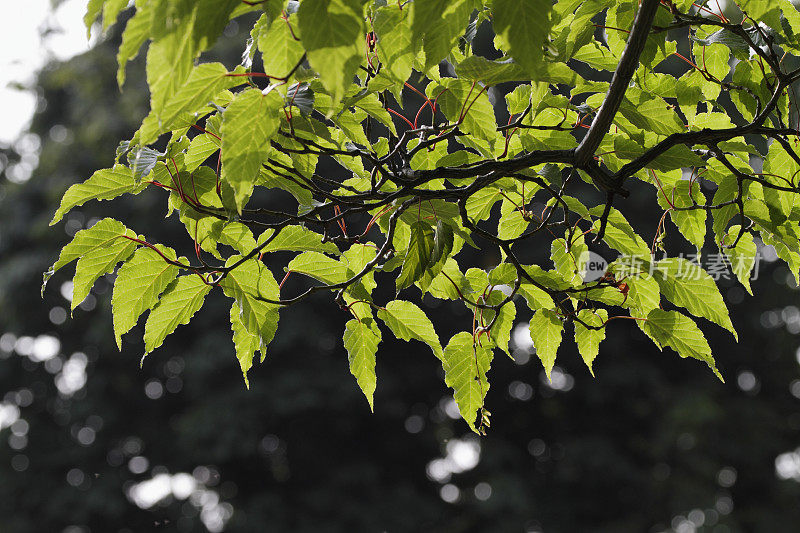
[546, 329]
[465, 366]
[418, 255]
[102, 185]
[245, 343]
[140, 281]
[686, 284]
[247, 126]
[407, 321]
[361, 343]
[588, 339]
[332, 33]
[253, 287]
[177, 305]
[524, 26]
[679, 332]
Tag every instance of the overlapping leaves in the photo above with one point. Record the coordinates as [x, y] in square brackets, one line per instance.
[321, 164]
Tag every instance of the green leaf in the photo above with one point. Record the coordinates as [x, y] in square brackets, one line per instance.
[437, 25]
[547, 278]
[679, 332]
[643, 294]
[251, 284]
[320, 267]
[204, 229]
[742, 257]
[247, 126]
[726, 191]
[178, 304]
[332, 32]
[779, 169]
[465, 101]
[535, 297]
[357, 258]
[465, 367]
[280, 49]
[691, 223]
[100, 260]
[715, 58]
[524, 25]
[418, 255]
[103, 232]
[245, 343]
[361, 342]
[407, 321]
[169, 62]
[621, 236]
[180, 31]
[650, 113]
[570, 261]
[140, 281]
[676, 157]
[237, 236]
[501, 331]
[372, 105]
[204, 82]
[199, 150]
[136, 33]
[587, 339]
[512, 225]
[597, 57]
[111, 10]
[491, 72]
[447, 282]
[296, 239]
[93, 9]
[443, 242]
[546, 330]
[479, 205]
[687, 285]
[395, 48]
[102, 185]
[273, 181]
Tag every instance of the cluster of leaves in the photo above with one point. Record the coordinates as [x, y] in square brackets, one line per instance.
[326, 84]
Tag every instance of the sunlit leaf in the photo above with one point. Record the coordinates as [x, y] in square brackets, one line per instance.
[177, 305]
[361, 342]
[104, 184]
[546, 329]
[248, 123]
[140, 282]
[465, 366]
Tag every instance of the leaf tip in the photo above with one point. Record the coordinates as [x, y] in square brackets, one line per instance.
[45, 278]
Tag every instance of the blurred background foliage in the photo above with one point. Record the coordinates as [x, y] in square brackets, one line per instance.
[89, 442]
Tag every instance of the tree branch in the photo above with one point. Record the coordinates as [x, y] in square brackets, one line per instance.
[619, 83]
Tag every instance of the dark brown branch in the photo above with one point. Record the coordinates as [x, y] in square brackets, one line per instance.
[627, 66]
